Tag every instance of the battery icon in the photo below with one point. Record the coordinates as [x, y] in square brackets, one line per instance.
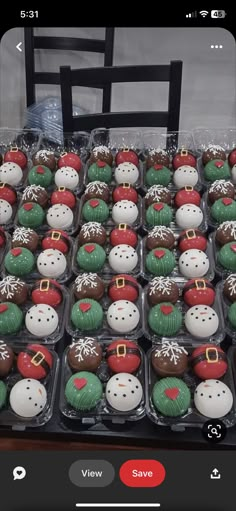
[218, 14]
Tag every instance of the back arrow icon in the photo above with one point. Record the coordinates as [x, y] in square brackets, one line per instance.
[18, 46]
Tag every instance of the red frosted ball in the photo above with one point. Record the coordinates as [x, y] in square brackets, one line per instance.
[70, 160]
[47, 291]
[16, 156]
[125, 192]
[209, 362]
[123, 356]
[123, 234]
[187, 195]
[123, 287]
[183, 158]
[8, 193]
[127, 155]
[63, 196]
[192, 238]
[35, 362]
[199, 292]
[55, 238]
[232, 158]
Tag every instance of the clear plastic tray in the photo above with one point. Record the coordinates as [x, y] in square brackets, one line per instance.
[117, 138]
[212, 223]
[225, 307]
[5, 248]
[183, 336]
[203, 137]
[17, 423]
[192, 418]
[221, 272]
[175, 274]
[103, 411]
[105, 331]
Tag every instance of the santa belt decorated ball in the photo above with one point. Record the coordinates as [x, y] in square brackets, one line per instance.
[122, 282]
[38, 359]
[190, 234]
[57, 235]
[198, 284]
[45, 285]
[122, 350]
[211, 356]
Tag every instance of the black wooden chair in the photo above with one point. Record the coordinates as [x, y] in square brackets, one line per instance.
[33, 43]
[99, 78]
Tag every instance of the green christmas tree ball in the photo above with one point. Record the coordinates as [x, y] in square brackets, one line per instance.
[216, 169]
[31, 215]
[227, 256]
[83, 391]
[160, 261]
[158, 175]
[95, 210]
[11, 318]
[165, 319]
[40, 175]
[171, 397]
[100, 171]
[19, 261]
[3, 394]
[87, 314]
[224, 209]
[91, 257]
[159, 213]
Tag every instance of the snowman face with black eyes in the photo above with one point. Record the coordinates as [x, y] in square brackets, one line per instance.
[5, 211]
[124, 392]
[213, 399]
[60, 216]
[51, 263]
[123, 258]
[201, 321]
[185, 176]
[28, 398]
[123, 316]
[126, 173]
[124, 211]
[11, 173]
[193, 263]
[68, 177]
[41, 320]
[189, 215]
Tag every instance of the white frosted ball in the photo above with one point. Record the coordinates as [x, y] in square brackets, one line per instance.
[185, 176]
[193, 263]
[213, 399]
[201, 321]
[124, 211]
[41, 320]
[189, 216]
[28, 398]
[68, 177]
[123, 258]
[126, 173]
[5, 211]
[51, 263]
[60, 216]
[11, 173]
[123, 316]
[124, 392]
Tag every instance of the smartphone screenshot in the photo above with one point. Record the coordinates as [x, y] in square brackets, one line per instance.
[118, 260]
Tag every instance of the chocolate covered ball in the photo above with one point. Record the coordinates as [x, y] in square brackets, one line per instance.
[157, 193]
[102, 153]
[97, 190]
[13, 290]
[220, 189]
[213, 152]
[25, 237]
[35, 193]
[226, 232]
[46, 158]
[88, 285]
[157, 156]
[6, 359]
[229, 289]
[170, 359]
[92, 232]
[160, 236]
[162, 289]
[84, 355]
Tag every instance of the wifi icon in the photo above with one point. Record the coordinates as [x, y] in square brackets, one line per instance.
[204, 13]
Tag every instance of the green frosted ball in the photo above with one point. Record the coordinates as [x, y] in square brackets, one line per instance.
[160, 261]
[87, 314]
[100, 171]
[165, 319]
[171, 397]
[11, 318]
[227, 256]
[95, 210]
[31, 215]
[224, 209]
[232, 315]
[158, 175]
[216, 169]
[19, 261]
[3, 394]
[159, 213]
[83, 391]
[40, 175]
[91, 257]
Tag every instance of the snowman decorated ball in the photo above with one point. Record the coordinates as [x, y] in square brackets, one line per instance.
[125, 211]
[185, 176]
[28, 398]
[124, 392]
[123, 316]
[194, 263]
[123, 258]
[11, 173]
[189, 215]
[126, 172]
[201, 321]
[213, 399]
[5, 211]
[67, 177]
[41, 320]
[60, 216]
[51, 263]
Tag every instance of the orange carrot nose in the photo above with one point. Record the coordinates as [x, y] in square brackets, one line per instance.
[121, 385]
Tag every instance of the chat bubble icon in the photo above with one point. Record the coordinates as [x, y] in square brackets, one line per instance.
[19, 473]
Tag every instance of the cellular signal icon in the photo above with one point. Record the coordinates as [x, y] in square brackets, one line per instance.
[191, 15]
[204, 13]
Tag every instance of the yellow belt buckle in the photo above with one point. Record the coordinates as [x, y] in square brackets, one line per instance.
[61, 188]
[190, 233]
[183, 152]
[44, 285]
[125, 150]
[14, 148]
[188, 188]
[120, 283]
[122, 227]
[200, 284]
[55, 235]
[126, 185]
[209, 360]
[64, 153]
[38, 359]
[2, 185]
[121, 350]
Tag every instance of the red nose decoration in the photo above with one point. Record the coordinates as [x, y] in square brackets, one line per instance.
[84, 307]
[28, 207]
[159, 253]
[80, 383]
[166, 309]
[16, 252]
[89, 248]
[172, 393]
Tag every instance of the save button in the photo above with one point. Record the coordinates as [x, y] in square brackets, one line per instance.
[142, 473]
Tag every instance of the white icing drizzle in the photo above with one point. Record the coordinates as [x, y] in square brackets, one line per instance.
[158, 150]
[84, 348]
[171, 350]
[96, 186]
[4, 354]
[160, 231]
[162, 284]
[44, 154]
[220, 185]
[101, 149]
[31, 191]
[86, 280]
[225, 226]
[9, 285]
[91, 228]
[214, 149]
[231, 281]
[156, 191]
[22, 234]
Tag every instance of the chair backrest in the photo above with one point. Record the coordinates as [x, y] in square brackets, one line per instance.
[33, 43]
[100, 77]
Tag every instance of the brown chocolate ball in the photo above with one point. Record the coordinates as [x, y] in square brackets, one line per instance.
[46, 158]
[84, 355]
[162, 289]
[25, 237]
[12, 289]
[35, 193]
[213, 152]
[160, 236]
[89, 285]
[220, 189]
[102, 153]
[6, 359]
[157, 193]
[97, 190]
[169, 360]
[229, 288]
[92, 232]
[226, 232]
[157, 157]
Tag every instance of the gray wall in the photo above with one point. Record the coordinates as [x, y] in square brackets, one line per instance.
[208, 93]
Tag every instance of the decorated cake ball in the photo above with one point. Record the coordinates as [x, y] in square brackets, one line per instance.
[83, 391]
[31, 215]
[171, 397]
[213, 399]
[40, 175]
[188, 216]
[47, 291]
[227, 256]
[183, 157]
[198, 292]
[192, 238]
[8, 193]
[123, 234]
[160, 236]
[56, 238]
[44, 157]
[229, 289]
[213, 152]
[51, 263]
[63, 196]
[123, 356]
[35, 193]
[19, 262]
[88, 285]
[157, 193]
[6, 212]
[187, 195]
[97, 190]
[67, 177]
[25, 237]
[13, 290]
[216, 169]
[84, 355]
[165, 319]
[34, 362]
[100, 171]
[158, 175]
[11, 318]
[220, 189]
[232, 157]
[226, 233]
[126, 172]
[160, 261]
[157, 155]
[3, 394]
[127, 154]
[17, 156]
[92, 232]
[162, 289]
[70, 159]
[28, 398]
[125, 211]
[224, 210]
[87, 314]
[125, 192]
[41, 320]
[60, 216]
[194, 263]
[159, 213]
[232, 315]
[95, 210]
[123, 287]
[91, 257]
[6, 359]
[201, 321]
[102, 153]
[124, 392]
[123, 316]
[11, 173]
[185, 176]
[123, 258]
[2, 237]
[209, 361]
[170, 359]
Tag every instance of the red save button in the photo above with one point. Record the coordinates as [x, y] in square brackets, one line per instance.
[142, 473]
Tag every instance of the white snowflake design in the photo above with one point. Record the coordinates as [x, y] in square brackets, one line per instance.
[9, 285]
[44, 154]
[163, 284]
[31, 192]
[102, 149]
[220, 186]
[225, 226]
[91, 228]
[231, 281]
[84, 348]
[214, 149]
[171, 350]
[96, 186]
[156, 191]
[3, 351]
[158, 150]
[22, 234]
[86, 280]
[160, 231]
